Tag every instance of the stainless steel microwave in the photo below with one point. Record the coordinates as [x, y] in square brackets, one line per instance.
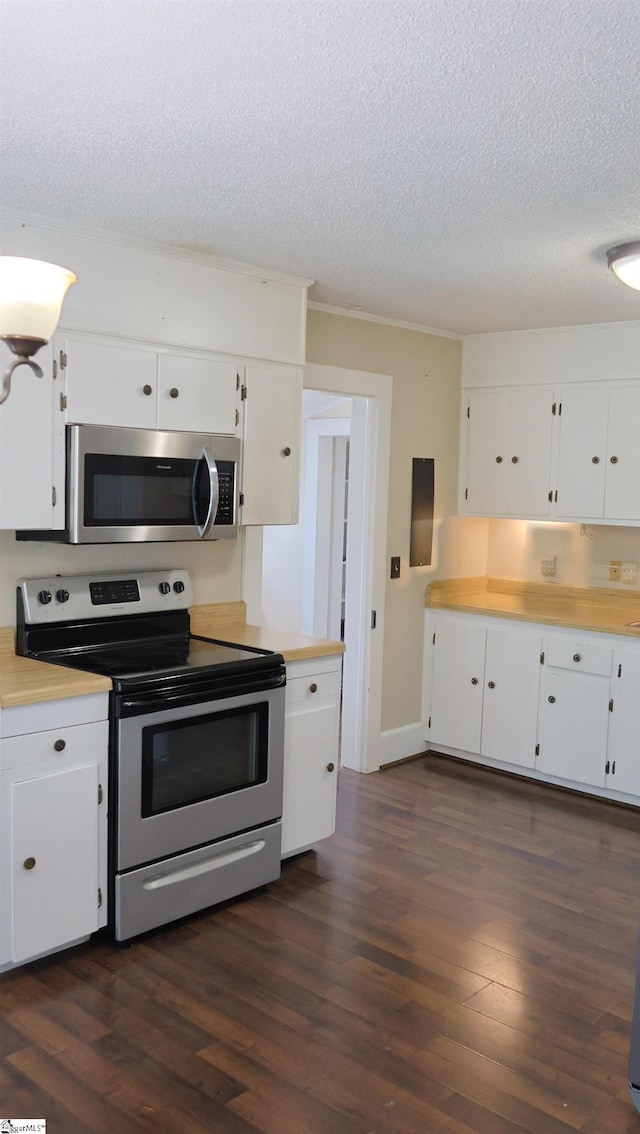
[141, 485]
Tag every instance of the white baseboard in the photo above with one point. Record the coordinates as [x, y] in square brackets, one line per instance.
[398, 743]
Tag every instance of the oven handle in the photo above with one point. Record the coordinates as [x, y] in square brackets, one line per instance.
[141, 704]
[223, 858]
[214, 495]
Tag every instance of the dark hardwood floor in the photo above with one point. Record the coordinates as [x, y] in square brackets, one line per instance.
[459, 958]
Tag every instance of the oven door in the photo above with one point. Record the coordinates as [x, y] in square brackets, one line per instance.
[133, 485]
[188, 776]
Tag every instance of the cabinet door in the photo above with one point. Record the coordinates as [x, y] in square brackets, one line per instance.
[529, 456]
[110, 385]
[575, 723]
[54, 860]
[197, 395]
[488, 452]
[457, 685]
[271, 452]
[583, 451]
[31, 434]
[624, 750]
[310, 774]
[622, 492]
[511, 686]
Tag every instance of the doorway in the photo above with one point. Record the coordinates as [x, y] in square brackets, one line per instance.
[274, 590]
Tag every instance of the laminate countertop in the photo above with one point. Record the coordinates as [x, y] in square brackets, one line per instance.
[24, 681]
[603, 609]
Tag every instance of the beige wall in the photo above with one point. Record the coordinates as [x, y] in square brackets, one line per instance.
[425, 423]
[516, 547]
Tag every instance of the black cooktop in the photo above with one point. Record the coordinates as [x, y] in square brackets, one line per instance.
[159, 656]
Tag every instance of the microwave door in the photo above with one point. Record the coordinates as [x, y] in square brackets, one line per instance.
[205, 471]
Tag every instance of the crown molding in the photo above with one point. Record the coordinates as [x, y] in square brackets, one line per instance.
[175, 252]
[347, 314]
[551, 330]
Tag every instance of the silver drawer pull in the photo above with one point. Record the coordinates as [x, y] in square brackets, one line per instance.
[60, 745]
[551, 700]
[577, 657]
[313, 688]
[214, 863]
[29, 863]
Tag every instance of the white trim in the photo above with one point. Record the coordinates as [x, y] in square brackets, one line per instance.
[35, 220]
[366, 555]
[399, 743]
[545, 330]
[351, 314]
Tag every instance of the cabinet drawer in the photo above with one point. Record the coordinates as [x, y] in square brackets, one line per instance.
[65, 745]
[580, 656]
[315, 687]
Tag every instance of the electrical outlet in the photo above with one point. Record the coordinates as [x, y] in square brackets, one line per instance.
[548, 565]
[629, 572]
[615, 570]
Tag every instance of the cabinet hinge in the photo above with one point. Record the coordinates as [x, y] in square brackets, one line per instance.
[55, 369]
[466, 493]
[243, 394]
[537, 749]
[63, 402]
[560, 409]
[550, 496]
[554, 408]
[63, 359]
[237, 381]
[241, 499]
[237, 416]
[100, 794]
[613, 768]
[54, 496]
[542, 658]
[606, 768]
[555, 496]
[429, 725]
[620, 670]
[99, 897]
[468, 411]
[374, 619]
[611, 705]
[434, 640]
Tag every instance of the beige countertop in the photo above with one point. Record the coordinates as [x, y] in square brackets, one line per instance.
[24, 681]
[603, 609]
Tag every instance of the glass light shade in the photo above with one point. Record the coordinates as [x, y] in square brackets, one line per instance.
[624, 260]
[31, 296]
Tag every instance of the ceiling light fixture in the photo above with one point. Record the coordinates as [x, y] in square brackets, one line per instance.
[624, 260]
[31, 296]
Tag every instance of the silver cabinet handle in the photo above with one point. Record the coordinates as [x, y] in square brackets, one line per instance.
[148, 390]
[552, 700]
[286, 452]
[313, 688]
[174, 392]
[498, 460]
[60, 745]
[595, 460]
[614, 460]
[492, 684]
[330, 767]
[577, 657]
[514, 460]
[474, 680]
[29, 863]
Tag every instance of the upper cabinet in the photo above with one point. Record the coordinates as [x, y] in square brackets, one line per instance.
[272, 398]
[136, 386]
[599, 456]
[508, 452]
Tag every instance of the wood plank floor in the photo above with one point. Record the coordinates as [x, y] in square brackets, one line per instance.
[458, 959]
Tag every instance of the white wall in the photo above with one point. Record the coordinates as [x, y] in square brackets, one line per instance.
[517, 546]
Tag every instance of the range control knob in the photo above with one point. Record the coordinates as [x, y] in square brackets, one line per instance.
[62, 595]
[164, 588]
[178, 587]
[44, 597]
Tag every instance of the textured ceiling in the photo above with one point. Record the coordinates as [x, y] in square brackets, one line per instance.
[462, 164]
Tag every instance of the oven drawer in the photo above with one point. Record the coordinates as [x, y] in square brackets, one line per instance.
[164, 891]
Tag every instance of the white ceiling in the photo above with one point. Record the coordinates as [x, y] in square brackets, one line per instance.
[462, 164]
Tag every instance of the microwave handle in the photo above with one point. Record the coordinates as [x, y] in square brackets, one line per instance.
[214, 496]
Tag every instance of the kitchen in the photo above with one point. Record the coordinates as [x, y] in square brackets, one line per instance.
[425, 421]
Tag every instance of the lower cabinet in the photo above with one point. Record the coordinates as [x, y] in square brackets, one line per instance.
[564, 705]
[53, 809]
[311, 735]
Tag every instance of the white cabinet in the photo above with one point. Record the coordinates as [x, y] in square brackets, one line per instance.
[599, 456]
[53, 812]
[32, 449]
[136, 386]
[508, 458]
[271, 452]
[510, 714]
[574, 726]
[623, 764]
[311, 740]
[484, 691]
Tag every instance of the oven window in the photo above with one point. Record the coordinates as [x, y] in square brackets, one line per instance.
[133, 491]
[203, 757]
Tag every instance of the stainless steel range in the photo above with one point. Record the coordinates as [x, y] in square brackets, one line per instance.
[196, 745]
